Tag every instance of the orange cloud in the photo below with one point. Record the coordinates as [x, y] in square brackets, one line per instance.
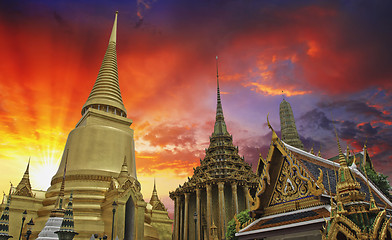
[270, 91]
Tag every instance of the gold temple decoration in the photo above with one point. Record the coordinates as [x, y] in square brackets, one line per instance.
[354, 218]
[293, 182]
[24, 186]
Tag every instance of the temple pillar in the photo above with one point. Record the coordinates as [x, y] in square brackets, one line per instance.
[222, 208]
[235, 198]
[209, 208]
[247, 200]
[176, 217]
[140, 211]
[186, 216]
[181, 220]
[198, 223]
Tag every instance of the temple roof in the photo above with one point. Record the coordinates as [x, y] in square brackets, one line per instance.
[155, 202]
[313, 163]
[24, 186]
[222, 161]
[287, 220]
[106, 90]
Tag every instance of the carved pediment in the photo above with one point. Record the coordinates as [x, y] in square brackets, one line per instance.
[290, 182]
[24, 191]
[159, 206]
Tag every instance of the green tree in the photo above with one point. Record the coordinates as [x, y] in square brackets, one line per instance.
[379, 179]
[242, 217]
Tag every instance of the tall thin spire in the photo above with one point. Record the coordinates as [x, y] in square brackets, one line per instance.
[106, 94]
[220, 125]
[342, 159]
[60, 198]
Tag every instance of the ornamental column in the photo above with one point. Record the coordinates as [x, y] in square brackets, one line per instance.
[186, 216]
[222, 213]
[181, 237]
[209, 208]
[177, 218]
[247, 200]
[198, 223]
[235, 198]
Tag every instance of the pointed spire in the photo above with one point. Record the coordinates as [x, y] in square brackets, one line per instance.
[312, 150]
[67, 231]
[59, 211]
[154, 197]
[106, 94]
[4, 220]
[220, 125]
[124, 172]
[113, 36]
[24, 186]
[342, 159]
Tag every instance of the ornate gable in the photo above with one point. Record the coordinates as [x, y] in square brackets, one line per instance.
[284, 184]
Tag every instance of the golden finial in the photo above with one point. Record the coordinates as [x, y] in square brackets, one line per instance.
[274, 136]
[311, 150]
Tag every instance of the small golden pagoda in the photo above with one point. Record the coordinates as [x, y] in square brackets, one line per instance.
[218, 189]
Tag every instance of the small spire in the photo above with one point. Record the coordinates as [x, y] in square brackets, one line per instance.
[342, 159]
[59, 211]
[155, 188]
[24, 186]
[28, 167]
[124, 172]
[5, 218]
[312, 150]
[67, 231]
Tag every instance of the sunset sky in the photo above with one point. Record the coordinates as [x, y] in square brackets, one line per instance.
[330, 58]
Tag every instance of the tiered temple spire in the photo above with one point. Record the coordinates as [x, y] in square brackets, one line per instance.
[67, 231]
[287, 126]
[223, 177]
[106, 94]
[24, 186]
[4, 219]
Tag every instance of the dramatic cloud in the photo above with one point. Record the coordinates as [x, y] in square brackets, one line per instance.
[328, 57]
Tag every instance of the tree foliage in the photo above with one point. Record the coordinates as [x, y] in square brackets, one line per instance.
[242, 217]
[379, 179]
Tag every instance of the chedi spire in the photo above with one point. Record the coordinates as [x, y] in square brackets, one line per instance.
[287, 126]
[106, 94]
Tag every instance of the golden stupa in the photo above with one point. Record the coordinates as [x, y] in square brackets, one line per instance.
[99, 166]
